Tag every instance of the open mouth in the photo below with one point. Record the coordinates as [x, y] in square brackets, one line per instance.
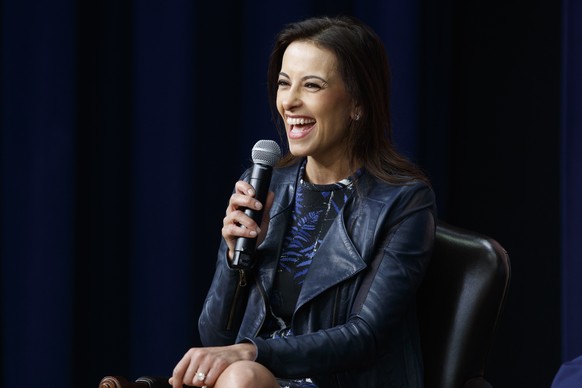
[299, 125]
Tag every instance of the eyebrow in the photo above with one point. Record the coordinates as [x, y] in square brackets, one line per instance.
[304, 77]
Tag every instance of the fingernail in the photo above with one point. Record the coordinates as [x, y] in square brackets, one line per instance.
[253, 233]
[258, 205]
[251, 191]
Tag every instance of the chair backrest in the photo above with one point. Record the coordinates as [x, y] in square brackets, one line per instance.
[459, 305]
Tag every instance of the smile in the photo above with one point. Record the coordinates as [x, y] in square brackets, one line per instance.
[299, 121]
[299, 127]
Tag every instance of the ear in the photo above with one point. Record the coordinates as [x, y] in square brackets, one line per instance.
[356, 113]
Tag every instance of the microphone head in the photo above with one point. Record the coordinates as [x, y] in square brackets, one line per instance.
[266, 152]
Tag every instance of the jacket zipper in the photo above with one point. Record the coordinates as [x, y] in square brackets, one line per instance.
[242, 282]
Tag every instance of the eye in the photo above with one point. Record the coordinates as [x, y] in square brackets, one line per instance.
[282, 83]
[312, 86]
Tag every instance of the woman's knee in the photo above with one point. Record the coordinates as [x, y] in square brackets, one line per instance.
[246, 374]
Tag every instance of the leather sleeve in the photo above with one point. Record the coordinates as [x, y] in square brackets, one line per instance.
[223, 308]
[224, 305]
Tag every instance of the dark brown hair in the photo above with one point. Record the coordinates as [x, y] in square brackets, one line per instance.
[363, 66]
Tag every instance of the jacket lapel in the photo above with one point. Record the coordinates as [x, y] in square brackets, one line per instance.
[336, 260]
[270, 248]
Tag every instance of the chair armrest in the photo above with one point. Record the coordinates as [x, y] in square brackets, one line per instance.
[142, 382]
[119, 382]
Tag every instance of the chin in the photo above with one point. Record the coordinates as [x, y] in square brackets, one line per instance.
[298, 151]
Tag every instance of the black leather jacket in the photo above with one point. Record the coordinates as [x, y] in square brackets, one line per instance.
[355, 321]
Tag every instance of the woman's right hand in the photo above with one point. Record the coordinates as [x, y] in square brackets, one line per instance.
[236, 223]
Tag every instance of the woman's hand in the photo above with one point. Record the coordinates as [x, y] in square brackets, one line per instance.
[202, 366]
[237, 224]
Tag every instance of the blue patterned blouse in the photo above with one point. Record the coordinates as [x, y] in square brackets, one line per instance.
[315, 208]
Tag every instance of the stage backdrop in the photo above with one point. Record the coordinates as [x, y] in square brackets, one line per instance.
[571, 189]
[124, 126]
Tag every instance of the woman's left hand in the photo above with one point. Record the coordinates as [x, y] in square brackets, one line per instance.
[202, 366]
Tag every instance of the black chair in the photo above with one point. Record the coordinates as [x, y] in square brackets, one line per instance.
[459, 305]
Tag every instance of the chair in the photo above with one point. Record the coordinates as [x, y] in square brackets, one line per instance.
[142, 382]
[459, 305]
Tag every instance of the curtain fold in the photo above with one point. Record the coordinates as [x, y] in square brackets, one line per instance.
[162, 174]
[37, 190]
[571, 180]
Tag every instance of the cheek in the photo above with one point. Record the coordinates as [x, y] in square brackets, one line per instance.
[337, 114]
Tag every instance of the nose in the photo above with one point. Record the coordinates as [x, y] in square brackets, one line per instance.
[290, 98]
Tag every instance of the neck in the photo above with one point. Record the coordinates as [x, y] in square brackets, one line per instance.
[323, 174]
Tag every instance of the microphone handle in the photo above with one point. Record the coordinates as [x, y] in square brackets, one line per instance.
[244, 248]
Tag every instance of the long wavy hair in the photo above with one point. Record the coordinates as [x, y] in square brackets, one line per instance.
[363, 66]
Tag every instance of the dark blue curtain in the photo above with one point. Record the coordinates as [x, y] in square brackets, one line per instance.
[572, 181]
[38, 178]
[124, 125]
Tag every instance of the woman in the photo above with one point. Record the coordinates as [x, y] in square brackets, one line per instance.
[347, 239]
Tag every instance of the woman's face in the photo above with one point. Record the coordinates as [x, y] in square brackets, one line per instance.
[313, 102]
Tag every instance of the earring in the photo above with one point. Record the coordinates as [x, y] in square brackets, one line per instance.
[357, 117]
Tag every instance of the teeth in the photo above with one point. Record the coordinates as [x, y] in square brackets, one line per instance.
[299, 121]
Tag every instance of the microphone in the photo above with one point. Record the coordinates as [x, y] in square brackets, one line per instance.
[265, 155]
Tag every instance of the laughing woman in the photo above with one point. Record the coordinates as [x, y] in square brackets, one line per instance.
[349, 233]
